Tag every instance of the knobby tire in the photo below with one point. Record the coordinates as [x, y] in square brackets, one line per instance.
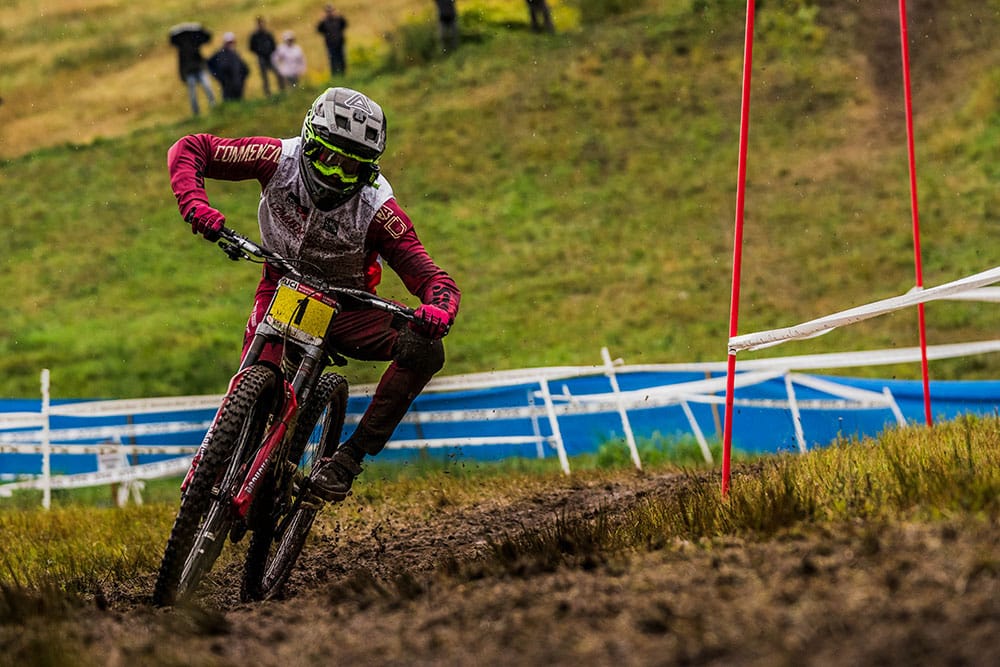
[205, 515]
[282, 521]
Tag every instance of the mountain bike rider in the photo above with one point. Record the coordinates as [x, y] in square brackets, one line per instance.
[325, 202]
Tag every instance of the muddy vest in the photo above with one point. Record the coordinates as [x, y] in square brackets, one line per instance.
[332, 242]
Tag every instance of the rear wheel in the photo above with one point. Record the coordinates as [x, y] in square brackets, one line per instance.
[282, 521]
[205, 514]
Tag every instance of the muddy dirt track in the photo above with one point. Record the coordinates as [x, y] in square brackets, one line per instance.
[421, 592]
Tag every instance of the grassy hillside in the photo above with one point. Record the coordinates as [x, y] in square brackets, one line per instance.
[580, 187]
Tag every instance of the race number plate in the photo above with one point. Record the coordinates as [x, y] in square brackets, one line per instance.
[299, 315]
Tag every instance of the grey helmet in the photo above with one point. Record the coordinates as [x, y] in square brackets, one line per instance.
[343, 137]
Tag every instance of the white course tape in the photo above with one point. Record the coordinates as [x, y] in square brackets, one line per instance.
[981, 294]
[12, 420]
[35, 447]
[137, 406]
[467, 442]
[822, 325]
[108, 432]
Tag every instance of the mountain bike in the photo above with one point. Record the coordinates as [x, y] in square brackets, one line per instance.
[251, 473]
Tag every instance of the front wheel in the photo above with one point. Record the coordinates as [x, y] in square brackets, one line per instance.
[206, 514]
[283, 520]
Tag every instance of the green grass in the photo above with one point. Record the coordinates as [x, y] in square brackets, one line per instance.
[585, 179]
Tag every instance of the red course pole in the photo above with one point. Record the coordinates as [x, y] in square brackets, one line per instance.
[904, 41]
[734, 302]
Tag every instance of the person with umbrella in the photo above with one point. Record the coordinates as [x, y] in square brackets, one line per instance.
[188, 38]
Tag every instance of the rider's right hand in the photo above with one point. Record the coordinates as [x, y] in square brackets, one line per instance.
[205, 220]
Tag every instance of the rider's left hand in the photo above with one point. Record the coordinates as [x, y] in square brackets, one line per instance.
[431, 321]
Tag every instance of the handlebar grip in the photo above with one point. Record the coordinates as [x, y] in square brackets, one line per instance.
[228, 233]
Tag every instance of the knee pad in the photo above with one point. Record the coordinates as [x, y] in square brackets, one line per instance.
[418, 353]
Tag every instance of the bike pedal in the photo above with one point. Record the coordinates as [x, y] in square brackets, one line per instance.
[296, 476]
[312, 502]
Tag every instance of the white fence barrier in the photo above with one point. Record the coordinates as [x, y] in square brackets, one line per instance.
[30, 433]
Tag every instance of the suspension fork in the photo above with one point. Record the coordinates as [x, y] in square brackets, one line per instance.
[307, 373]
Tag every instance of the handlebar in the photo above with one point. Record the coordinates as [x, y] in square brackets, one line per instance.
[237, 247]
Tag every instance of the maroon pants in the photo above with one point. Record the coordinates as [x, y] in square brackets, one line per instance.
[367, 335]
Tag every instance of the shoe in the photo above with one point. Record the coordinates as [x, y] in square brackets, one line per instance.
[333, 476]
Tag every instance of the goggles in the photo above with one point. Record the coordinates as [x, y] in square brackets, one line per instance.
[332, 161]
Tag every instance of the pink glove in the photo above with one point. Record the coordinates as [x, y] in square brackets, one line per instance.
[205, 220]
[431, 321]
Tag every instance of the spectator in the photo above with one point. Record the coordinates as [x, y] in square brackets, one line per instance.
[188, 38]
[332, 28]
[447, 24]
[289, 59]
[541, 17]
[229, 68]
[262, 44]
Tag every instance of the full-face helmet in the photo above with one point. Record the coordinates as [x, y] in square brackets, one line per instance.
[343, 137]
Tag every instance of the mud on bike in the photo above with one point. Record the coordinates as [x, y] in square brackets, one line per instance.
[251, 474]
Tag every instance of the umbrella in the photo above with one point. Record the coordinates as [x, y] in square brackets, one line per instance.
[186, 27]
